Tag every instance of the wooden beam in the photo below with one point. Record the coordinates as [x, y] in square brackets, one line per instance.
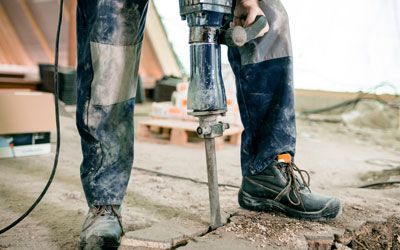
[159, 40]
[72, 33]
[11, 49]
[37, 30]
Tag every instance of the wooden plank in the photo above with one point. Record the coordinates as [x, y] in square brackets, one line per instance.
[150, 69]
[12, 80]
[7, 74]
[178, 137]
[6, 44]
[235, 139]
[37, 30]
[18, 86]
[186, 125]
[4, 59]
[18, 83]
[11, 48]
[177, 132]
[159, 40]
[72, 33]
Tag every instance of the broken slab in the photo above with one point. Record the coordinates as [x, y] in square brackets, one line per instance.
[165, 234]
[227, 240]
[339, 246]
[320, 242]
[168, 234]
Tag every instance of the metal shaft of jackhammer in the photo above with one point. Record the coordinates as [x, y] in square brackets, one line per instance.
[215, 210]
[206, 92]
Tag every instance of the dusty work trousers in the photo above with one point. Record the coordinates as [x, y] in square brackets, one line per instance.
[110, 34]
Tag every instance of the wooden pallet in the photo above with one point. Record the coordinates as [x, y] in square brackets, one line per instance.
[181, 133]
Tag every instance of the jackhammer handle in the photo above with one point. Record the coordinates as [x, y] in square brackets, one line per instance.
[239, 36]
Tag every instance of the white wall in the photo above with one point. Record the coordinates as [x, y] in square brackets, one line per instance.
[345, 45]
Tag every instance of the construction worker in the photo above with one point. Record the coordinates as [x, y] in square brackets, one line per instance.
[110, 35]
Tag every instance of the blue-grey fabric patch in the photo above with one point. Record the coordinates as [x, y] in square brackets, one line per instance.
[115, 70]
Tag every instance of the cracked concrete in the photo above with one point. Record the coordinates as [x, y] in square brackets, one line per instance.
[336, 157]
[165, 235]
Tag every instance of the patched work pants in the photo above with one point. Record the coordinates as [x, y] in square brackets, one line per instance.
[264, 82]
[110, 33]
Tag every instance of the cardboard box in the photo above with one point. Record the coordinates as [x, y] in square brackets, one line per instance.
[23, 112]
[27, 119]
[24, 145]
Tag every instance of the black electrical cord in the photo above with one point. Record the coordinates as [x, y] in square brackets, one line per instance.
[383, 183]
[56, 97]
[183, 178]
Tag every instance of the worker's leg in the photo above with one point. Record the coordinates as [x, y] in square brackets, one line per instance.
[110, 34]
[263, 70]
[271, 181]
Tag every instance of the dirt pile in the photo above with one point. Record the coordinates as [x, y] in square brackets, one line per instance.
[269, 229]
[372, 114]
[373, 235]
[276, 230]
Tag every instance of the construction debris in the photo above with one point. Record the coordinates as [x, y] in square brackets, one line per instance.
[372, 114]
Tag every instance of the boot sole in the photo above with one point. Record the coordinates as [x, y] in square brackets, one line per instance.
[97, 243]
[329, 212]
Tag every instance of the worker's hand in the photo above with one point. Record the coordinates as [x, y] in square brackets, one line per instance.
[246, 12]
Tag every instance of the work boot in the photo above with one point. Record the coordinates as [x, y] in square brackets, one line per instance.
[279, 189]
[102, 228]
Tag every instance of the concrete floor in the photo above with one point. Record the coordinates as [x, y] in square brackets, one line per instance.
[338, 159]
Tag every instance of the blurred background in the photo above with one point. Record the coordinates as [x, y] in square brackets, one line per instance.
[344, 52]
[338, 45]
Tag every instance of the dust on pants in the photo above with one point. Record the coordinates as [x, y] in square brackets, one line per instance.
[110, 35]
[264, 82]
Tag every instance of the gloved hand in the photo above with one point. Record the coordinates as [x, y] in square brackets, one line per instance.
[246, 12]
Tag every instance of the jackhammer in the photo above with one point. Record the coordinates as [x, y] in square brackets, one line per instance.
[208, 21]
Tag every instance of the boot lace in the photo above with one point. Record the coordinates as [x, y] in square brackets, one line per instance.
[294, 185]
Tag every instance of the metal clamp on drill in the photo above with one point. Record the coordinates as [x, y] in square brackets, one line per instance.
[206, 94]
[210, 127]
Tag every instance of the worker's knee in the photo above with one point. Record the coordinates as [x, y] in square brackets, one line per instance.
[116, 22]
